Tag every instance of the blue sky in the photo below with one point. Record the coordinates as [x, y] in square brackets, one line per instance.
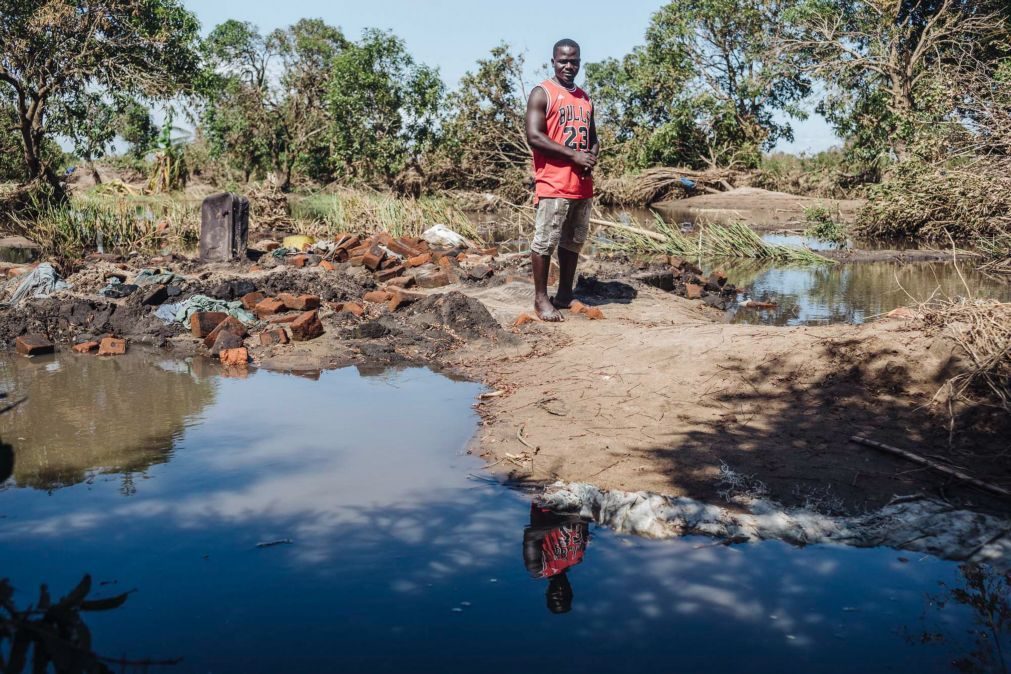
[453, 34]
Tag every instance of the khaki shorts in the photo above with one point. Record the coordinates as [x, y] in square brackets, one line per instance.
[561, 223]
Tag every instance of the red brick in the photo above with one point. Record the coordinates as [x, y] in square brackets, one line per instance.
[112, 346]
[226, 339]
[391, 273]
[383, 238]
[435, 279]
[307, 326]
[284, 318]
[354, 308]
[347, 242]
[377, 296]
[401, 298]
[85, 347]
[327, 265]
[269, 307]
[488, 251]
[401, 282]
[693, 291]
[358, 251]
[374, 258]
[33, 345]
[594, 314]
[445, 262]
[155, 295]
[299, 260]
[203, 322]
[418, 260]
[357, 261]
[403, 247]
[577, 307]
[230, 324]
[523, 319]
[275, 336]
[299, 302]
[250, 300]
[237, 357]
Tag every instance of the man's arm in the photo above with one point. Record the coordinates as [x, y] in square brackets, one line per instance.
[594, 139]
[537, 134]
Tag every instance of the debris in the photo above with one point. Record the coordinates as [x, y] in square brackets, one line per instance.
[755, 304]
[436, 279]
[250, 300]
[155, 296]
[916, 458]
[238, 356]
[299, 302]
[274, 336]
[377, 296]
[112, 346]
[307, 326]
[593, 313]
[202, 323]
[269, 307]
[228, 324]
[117, 289]
[441, 235]
[33, 345]
[224, 226]
[185, 309]
[297, 242]
[353, 308]
[399, 298]
[523, 319]
[85, 347]
[40, 282]
[694, 291]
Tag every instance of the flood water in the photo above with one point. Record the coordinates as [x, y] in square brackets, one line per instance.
[393, 552]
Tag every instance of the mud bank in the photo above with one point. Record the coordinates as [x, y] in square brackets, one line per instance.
[924, 526]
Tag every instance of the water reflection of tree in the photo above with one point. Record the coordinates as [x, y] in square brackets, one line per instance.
[988, 594]
[55, 634]
[88, 414]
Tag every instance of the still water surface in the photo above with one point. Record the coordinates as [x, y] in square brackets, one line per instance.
[164, 478]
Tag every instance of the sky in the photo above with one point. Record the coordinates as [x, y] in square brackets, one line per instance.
[453, 34]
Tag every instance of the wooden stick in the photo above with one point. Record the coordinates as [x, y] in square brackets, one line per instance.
[916, 458]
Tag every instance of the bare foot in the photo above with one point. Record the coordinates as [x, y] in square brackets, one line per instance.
[546, 311]
[561, 302]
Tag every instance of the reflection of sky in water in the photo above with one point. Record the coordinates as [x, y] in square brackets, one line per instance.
[369, 478]
[852, 293]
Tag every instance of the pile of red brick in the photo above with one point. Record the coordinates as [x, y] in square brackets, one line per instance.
[37, 345]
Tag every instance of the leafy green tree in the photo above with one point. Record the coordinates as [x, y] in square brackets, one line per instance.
[883, 61]
[307, 50]
[705, 88]
[56, 53]
[239, 116]
[135, 125]
[383, 108]
[483, 143]
[89, 122]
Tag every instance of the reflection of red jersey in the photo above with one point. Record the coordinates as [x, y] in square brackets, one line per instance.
[568, 118]
[562, 548]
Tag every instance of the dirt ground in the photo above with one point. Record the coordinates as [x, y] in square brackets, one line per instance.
[761, 209]
[659, 396]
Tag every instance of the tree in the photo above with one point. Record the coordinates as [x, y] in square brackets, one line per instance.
[705, 87]
[382, 107]
[239, 114]
[307, 50]
[483, 143]
[56, 53]
[882, 60]
[88, 121]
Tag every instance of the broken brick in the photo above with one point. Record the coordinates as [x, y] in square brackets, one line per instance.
[594, 314]
[480, 272]
[33, 345]
[435, 279]
[399, 298]
[299, 260]
[226, 339]
[445, 262]
[357, 261]
[391, 273]
[401, 282]
[358, 251]
[693, 291]
[577, 307]
[230, 324]
[275, 336]
[203, 322]
[269, 307]
[236, 357]
[374, 258]
[285, 318]
[403, 247]
[353, 308]
[418, 260]
[299, 302]
[250, 300]
[155, 296]
[307, 326]
[523, 319]
[85, 347]
[377, 296]
[112, 346]
[327, 265]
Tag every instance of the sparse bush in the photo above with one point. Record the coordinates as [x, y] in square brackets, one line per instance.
[822, 225]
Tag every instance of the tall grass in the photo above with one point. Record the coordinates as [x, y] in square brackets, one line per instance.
[122, 224]
[364, 211]
[712, 241]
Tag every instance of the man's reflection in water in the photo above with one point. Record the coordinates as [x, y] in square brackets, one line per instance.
[551, 545]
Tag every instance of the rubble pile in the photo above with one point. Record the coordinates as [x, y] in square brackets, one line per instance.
[682, 278]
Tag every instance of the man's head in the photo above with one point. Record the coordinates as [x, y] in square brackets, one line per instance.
[565, 60]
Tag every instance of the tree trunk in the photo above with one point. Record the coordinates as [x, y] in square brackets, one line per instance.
[94, 172]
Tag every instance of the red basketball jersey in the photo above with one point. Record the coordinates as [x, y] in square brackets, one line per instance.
[568, 116]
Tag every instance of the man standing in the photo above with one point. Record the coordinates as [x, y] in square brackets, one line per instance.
[563, 138]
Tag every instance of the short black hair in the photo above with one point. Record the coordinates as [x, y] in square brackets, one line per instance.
[565, 42]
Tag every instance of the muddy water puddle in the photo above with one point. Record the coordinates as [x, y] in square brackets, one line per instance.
[853, 292]
[281, 523]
